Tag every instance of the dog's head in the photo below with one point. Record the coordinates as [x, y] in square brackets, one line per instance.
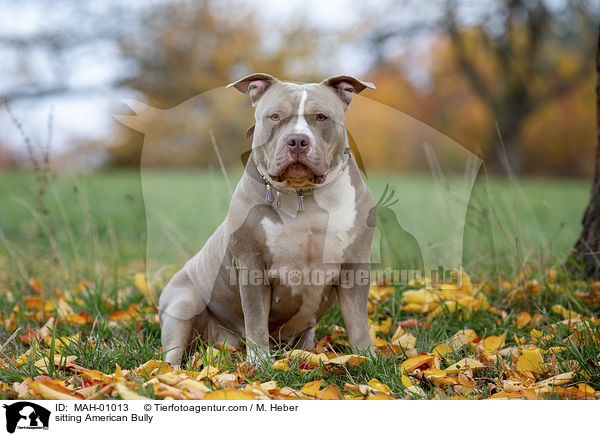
[299, 135]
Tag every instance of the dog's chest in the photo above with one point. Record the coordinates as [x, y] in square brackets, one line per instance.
[313, 240]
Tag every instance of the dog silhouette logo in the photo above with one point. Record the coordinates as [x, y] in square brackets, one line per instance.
[26, 415]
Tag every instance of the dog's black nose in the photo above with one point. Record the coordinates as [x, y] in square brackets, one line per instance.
[298, 142]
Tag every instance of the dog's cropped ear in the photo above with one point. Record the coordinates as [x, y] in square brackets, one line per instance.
[345, 86]
[255, 85]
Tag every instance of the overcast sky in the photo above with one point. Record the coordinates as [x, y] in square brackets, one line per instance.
[89, 114]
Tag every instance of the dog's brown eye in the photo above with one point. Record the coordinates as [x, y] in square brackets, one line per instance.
[321, 117]
[275, 117]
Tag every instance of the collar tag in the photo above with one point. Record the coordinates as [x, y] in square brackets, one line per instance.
[347, 141]
[300, 201]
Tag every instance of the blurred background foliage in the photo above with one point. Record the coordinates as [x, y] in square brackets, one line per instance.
[519, 70]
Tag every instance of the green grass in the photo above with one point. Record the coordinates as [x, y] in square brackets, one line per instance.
[94, 229]
[100, 219]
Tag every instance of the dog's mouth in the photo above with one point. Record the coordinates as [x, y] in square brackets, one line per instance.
[297, 174]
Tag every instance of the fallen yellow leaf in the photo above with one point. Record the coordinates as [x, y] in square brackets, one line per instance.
[381, 387]
[492, 344]
[282, 365]
[379, 397]
[557, 380]
[464, 364]
[128, 394]
[523, 319]
[312, 388]
[307, 357]
[406, 381]
[565, 313]
[75, 318]
[207, 372]
[504, 396]
[329, 393]
[405, 341]
[462, 337]
[35, 286]
[413, 363]
[442, 350]
[139, 280]
[52, 391]
[59, 361]
[154, 367]
[348, 360]
[531, 360]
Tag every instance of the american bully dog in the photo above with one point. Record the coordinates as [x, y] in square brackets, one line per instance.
[297, 235]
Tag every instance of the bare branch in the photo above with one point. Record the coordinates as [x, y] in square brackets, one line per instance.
[465, 61]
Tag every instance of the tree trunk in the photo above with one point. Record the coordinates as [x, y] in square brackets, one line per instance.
[505, 140]
[585, 256]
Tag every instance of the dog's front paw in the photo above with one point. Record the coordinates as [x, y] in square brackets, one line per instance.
[256, 355]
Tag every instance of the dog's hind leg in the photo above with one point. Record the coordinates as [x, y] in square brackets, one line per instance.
[180, 306]
[176, 335]
[307, 341]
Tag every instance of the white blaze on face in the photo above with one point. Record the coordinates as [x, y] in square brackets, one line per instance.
[301, 124]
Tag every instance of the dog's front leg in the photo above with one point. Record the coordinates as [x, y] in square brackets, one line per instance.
[353, 293]
[255, 293]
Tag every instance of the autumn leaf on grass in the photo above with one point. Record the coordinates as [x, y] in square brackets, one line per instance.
[438, 376]
[282, 365]
[132, 314]
[93, 375]
[163, 390]
[193, 388]
[229, 394]
[492, 344]
[462, 338]
[61, 343]
[28, 337]
[556, 380]
[23, 358]
[381, 387]
[504, 396]
[170, 378]
[329, 393]
[425, 361]
[49, 389]
[464, 364]
[33, 302]
[140, 282]
[531, 360]
[128, 394]
[45, 332]
[308, 358]
[59, 361]
[208, 372]
[442, 350]
[312, 388]
[77, 318]
[35, 286]
[523, 318]
[153, 367]
[346, 360]
[406, 340]
[382, 327]
[566, 314]
[380, 293]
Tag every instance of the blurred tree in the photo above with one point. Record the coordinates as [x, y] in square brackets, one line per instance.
[585, 257]
[181, 49]
[42, 59]
[516, 55]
